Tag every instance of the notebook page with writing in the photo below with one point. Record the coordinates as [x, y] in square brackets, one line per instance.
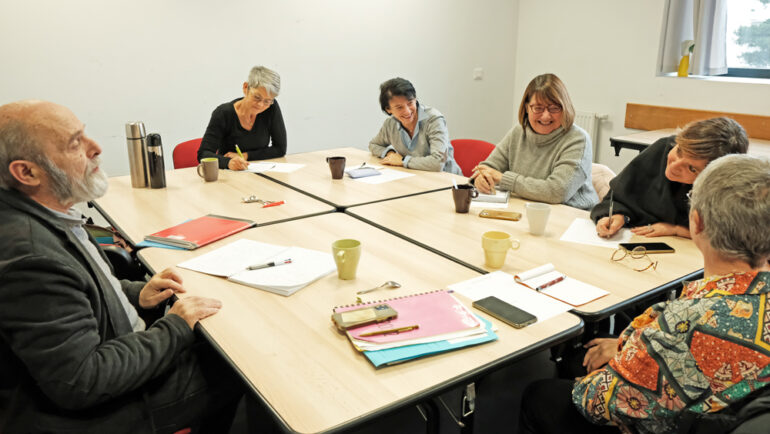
[568, 290]
[306, 266]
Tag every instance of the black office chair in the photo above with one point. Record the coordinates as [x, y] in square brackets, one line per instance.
[124, 264]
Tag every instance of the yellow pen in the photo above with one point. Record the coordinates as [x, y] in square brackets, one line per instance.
[397, 330]
[238, 150]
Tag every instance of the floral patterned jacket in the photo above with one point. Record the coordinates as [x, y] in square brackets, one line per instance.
[699, 353]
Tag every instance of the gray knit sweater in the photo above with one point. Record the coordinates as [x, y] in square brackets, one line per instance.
[552, 168]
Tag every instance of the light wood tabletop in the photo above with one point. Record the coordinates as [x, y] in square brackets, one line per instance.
[642, 139]
[315, 178]
[137, 212]
[431, 221]
[307, 372]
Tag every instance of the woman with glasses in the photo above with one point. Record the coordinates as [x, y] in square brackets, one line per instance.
[247, 128]
[414, 136]
[546, 157]
[650, 194]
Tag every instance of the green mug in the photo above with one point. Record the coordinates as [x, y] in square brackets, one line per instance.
[346, 255]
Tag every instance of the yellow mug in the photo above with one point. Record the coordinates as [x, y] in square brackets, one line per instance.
[496, 245]
[346, 255]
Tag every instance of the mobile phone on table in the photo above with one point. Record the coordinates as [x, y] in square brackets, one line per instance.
[505, 312]
[648, 247]
[502, 215]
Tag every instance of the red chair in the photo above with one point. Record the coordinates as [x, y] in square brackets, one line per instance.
[469, 153]
[186, 154]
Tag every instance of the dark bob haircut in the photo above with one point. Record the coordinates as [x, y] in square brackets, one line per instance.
[395, 87]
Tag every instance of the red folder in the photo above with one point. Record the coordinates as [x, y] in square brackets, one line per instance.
[201, 231]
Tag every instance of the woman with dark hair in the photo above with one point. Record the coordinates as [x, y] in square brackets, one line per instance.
[414, 136]
[650, 194]
[546, 157]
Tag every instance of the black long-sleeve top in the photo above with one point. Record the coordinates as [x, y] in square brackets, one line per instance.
[642, 192]
[225, 131]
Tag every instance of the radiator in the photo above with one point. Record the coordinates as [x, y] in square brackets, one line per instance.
[590, 122]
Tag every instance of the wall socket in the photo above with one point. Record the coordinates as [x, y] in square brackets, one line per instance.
[478, 73]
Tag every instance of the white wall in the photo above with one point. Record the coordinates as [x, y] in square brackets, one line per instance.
[169, 63]
[606, 52]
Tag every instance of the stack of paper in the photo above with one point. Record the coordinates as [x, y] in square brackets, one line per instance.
[497, 200]
[434, 322]
[232, 261]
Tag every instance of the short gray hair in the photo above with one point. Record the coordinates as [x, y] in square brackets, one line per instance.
[16, 143]
[732, 197]
[265, 77]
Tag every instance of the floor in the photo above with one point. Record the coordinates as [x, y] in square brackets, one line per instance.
[497, 404]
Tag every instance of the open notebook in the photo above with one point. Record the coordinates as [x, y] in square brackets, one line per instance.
[231, 261]
[559, 286]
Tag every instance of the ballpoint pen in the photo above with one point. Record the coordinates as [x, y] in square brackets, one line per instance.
[269, 264]
[609, 222]
[547, 284]
[238, 150]
[397, 330]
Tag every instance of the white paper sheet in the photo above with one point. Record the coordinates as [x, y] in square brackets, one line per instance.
[306, 266]
[502, 286]
[349, 168]
[583, 231]
[387, 175]
[232, 258]
[489, 205]
[263, 166]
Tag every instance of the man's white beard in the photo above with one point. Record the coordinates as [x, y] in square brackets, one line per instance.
[91, 186]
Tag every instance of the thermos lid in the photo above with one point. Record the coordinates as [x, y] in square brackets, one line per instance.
[153, 139]
[135, 130]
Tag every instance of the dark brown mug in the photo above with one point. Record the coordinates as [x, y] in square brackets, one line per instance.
[462, 196]
[337, 166]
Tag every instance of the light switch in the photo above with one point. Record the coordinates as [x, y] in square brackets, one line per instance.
[478, 73]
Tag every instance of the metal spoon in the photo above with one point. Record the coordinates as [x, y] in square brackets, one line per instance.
[389, 284]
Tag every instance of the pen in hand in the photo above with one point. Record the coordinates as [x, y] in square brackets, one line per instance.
[269, 264]
[609, 220]
[397, 330]
[547, 284]
[238, 150]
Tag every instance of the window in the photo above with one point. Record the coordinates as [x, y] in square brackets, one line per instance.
[748, 38]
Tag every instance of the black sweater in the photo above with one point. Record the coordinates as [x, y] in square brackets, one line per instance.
[642, 192]
[225, 131]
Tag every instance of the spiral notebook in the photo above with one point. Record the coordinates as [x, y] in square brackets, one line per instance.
[559, 286]
[438, 316]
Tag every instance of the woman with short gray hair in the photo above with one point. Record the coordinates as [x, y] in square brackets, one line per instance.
[247, 128]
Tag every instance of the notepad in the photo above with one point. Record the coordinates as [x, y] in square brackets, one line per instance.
[231, 261]
[497, 200]
[200, 231]
[569, 290]
[439, 315]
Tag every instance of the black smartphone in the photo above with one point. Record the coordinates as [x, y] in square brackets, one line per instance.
[648, 247]
[505, 312]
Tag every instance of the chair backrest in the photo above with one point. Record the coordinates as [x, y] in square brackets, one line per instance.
[600, 177]
[470, 152]
[186, 154]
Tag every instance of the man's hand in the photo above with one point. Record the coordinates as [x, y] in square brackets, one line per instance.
[486, 178]
[661, 230]
[606, 229]
[162, 286]
[193, 309]
[600, 351]
[393, 159]
[236, 162]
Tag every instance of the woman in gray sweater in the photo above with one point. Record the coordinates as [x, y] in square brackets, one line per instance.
[546, 157]
[414, 135]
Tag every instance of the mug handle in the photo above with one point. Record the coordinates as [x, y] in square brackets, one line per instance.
[515, 244]
[474, 193]
[200, 166]
[327, 159]
[341, 255]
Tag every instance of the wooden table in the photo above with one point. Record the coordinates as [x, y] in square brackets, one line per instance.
[430, 221]
[136, 212]
[315, 179]
[640, 141]
[309, 374]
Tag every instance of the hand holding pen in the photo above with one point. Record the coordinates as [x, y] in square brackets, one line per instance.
[610, 225]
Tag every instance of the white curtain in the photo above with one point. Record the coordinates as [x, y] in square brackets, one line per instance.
[705, 22]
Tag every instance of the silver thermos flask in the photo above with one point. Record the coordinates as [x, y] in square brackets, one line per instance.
[156, 171]
[136, 138]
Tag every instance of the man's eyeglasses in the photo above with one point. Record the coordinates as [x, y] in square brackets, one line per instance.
[539, 109]
[639, 252]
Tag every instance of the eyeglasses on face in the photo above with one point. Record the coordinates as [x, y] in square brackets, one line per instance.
[539, 109]
[259, 100]
[639, 252]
